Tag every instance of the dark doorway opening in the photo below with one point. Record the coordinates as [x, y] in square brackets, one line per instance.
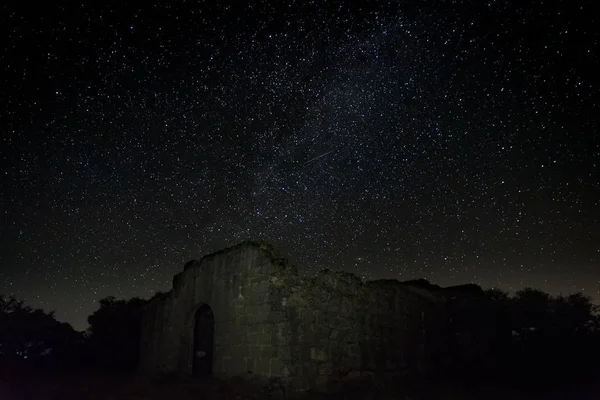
[204, 326]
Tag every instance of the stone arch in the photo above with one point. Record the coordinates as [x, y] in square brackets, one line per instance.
[201, 330]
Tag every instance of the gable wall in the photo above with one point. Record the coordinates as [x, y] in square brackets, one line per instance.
[271, 322]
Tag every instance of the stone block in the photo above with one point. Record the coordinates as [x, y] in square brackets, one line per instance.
[325, 369]
[275, 316]
[225, 361]
[263, 366]
[298, 384]
[322, 381]
[255, 351]
[250, 364]
[318, 354]
[284, 332]
[268, 351]
[277, 367]
[284, 352]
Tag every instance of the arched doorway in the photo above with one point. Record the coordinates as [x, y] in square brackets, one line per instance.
[204, 323]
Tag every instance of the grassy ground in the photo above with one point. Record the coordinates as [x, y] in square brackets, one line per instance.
[99, 387]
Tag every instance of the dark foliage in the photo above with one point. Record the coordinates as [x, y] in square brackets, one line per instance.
[553, 337]
[32, 338]
[114, 333]
[531, 337]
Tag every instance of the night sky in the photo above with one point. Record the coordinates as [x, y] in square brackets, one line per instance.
[449, 140]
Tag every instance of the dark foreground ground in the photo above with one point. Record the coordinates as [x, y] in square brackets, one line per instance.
[103, 387]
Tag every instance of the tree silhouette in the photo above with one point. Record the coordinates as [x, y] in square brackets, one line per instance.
[551, 337]
[531, 313]
[573, 314]
[531, 336]
[32, 337]
[114, 333]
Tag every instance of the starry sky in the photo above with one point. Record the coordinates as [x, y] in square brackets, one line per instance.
[449, 140]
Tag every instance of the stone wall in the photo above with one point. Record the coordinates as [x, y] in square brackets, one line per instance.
[235, 284]
[339, 327]
[271, 322]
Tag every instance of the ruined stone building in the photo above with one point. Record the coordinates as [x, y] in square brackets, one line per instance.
[244, 311]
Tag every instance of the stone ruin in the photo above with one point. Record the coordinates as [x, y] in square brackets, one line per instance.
[245, 312]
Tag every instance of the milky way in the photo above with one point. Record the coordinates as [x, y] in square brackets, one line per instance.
[455, 143]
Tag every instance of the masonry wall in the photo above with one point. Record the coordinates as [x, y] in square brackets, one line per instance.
[340, 327]
[271, 322]
[235, 284]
